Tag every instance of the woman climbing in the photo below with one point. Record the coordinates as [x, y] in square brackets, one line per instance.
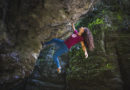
[84, 36]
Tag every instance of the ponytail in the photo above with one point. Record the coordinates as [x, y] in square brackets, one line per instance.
[88, 39]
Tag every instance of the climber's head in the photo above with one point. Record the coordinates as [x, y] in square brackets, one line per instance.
[88, 38]
[81, 30]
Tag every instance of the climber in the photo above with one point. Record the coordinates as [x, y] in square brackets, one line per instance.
[84, 36]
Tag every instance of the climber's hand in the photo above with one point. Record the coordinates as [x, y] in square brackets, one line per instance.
[86, 55]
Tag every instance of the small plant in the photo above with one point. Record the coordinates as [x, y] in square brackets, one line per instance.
[96, 22]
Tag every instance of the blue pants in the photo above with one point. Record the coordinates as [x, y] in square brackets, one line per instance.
[62, 49]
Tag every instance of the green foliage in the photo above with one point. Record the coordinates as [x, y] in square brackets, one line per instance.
[84, 69]
[93, 26]
[92, 67]
[96, 22]
[96, 64]
[93, 22]
[100, 66]
[119, 17]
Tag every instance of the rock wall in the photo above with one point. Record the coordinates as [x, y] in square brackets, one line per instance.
[24, 23]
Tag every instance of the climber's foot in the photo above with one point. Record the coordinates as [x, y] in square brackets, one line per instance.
[59, 70]
[43, 45]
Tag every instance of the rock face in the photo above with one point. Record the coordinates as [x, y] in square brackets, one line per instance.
[24, 23]
[45, 74]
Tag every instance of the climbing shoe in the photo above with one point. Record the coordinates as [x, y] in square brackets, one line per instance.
[59, 70]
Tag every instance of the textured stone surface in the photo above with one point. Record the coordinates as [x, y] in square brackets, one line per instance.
[45, 74]
[24, 23]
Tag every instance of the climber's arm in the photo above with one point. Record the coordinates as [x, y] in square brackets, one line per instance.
[73, 27]
[84, 49]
